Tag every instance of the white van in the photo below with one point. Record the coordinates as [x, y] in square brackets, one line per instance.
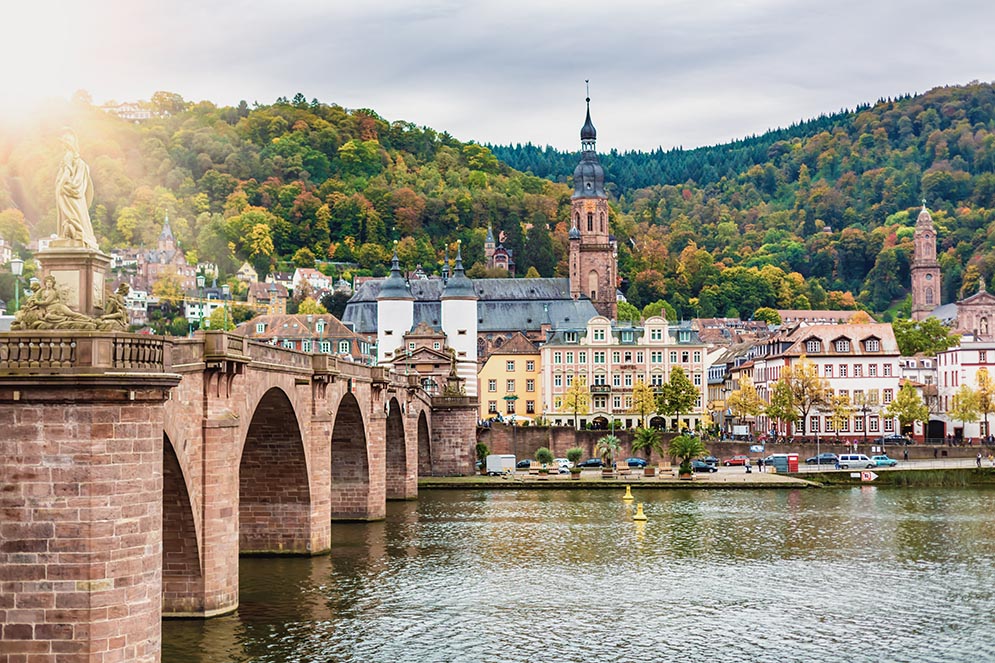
[847, 461]
[500, 463]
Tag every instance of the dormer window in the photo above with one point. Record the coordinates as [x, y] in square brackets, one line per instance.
[873, 345]
[627, 337]
[656, 334]
[570, 337]
[813, 345]
[842, 345]
[320, 326]
[260, 327]
[599, 334]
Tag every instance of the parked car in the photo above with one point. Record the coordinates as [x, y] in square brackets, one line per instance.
[702, 466]
[590, 462]
[710, 460]
[737, 460]
[884, 461]
[523, 464]
[855, 460]
[893, 438]
[636, 462]
[823, 459]
[562, 462]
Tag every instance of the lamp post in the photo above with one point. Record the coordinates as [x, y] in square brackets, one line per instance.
[17, 268]
[225, 294]
[200, 287]
[864, 410]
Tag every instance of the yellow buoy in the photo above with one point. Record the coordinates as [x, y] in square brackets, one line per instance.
[639, 512]
[628, 494]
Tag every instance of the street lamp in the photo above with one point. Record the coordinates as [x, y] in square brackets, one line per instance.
[200, 286]
[864, 410]
[225, 294]
[17, 268]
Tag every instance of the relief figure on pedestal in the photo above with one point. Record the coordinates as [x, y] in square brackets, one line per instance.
[74, 194]
[115, 317]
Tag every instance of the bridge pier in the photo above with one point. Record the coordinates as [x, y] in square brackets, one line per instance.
[80, 509]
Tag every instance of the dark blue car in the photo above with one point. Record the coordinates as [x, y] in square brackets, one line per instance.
[590, 462]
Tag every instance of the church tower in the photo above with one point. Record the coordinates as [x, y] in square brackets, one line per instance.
[925, 269]
[593, 267]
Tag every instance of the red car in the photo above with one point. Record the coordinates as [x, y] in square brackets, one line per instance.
[736, 460]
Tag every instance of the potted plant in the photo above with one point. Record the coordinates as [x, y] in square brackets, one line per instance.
[647, 440]
[686, 447]
[574, 455]
[544, 457]
[482, 452]
[606, 447]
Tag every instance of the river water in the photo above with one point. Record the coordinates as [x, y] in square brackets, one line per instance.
[862, 574]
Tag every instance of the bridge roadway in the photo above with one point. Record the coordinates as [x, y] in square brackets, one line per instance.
[135, 470]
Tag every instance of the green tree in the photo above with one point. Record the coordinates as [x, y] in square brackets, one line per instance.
[647, 440]
[964, 405]
[908, 406]
[927, 336]
[628, 313]
[643, 401]
[219, 317]
[768, 315]
[678, 395]
[538, 250]
[304, 258]
[577, 399]
[168, 289]
[13, 228]
[686, 447]
[544, 456]
[482, 452]
[574, 454]
[660, 308]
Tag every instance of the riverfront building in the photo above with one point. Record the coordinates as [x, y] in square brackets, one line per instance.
[510, 382]
[958, 366]
[860, 361]
[611, 359]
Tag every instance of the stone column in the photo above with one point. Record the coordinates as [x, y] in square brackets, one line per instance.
[454, 435]
[81, 504]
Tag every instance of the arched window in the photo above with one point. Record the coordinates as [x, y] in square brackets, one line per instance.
[602, 222]
[590, 221]
[577, 220]
[929, 295]
[592, 284]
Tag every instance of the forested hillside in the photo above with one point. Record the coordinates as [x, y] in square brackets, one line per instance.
[281, 184]
[817, 215]
[833, 200]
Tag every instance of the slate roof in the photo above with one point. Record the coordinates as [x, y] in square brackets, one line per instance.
[502, 305]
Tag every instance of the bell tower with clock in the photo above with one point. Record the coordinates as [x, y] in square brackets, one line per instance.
[926, 279]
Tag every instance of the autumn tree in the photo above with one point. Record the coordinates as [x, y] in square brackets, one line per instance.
[643, 401]
[808, 390]
[986, 395]
[309, 306]
[908, 406]
[577, 399]
[678, 395]
[782, 403]
[841, 409]
[964, 405]
[768, 315]
[745, 401]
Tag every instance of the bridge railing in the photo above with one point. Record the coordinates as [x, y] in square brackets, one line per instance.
[81, 352]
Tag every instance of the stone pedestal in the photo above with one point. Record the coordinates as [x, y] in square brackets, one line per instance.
[80, 271]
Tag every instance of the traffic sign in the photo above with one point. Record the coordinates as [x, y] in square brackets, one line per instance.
[868, 476]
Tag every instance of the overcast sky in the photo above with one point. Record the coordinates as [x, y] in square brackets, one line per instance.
[663, 73]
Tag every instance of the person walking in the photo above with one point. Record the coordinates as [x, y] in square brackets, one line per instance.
[905, 454]
[936, 453]
[979, 459]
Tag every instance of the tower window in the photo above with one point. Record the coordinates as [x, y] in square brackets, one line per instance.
[590, 221]
[929, 295]
[602, 222]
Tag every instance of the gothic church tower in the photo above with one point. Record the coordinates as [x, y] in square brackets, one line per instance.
[925, 269]
[593, 267]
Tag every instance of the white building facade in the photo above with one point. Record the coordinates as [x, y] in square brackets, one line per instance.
[958, 366]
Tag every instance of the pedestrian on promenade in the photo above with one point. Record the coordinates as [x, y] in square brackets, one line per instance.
[905, 454]
[979, 459]
[760, 465]
[936, 453]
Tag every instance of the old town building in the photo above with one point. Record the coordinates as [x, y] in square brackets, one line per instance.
[510, 382]
[321, 333]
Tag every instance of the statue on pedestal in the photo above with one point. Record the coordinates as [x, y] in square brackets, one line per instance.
[115, 317]
[74, 194]
[46, 309]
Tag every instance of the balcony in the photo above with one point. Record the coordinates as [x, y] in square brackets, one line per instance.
[601, 389]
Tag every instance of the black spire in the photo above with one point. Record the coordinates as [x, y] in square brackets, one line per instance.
[588, 132]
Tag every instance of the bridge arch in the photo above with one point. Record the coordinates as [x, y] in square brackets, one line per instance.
[425, 465]
[274, 495]
[350, 463]
[182, 568]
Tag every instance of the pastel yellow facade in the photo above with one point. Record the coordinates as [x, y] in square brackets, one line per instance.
[510, 386]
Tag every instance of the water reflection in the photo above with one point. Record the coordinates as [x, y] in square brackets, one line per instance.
[859, 574]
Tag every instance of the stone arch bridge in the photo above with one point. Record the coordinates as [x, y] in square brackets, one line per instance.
[135, 470]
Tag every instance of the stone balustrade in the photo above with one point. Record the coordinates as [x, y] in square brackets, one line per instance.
[75, 352]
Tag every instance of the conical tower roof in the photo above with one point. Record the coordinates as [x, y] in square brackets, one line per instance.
[394, 286]
[459, 286]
